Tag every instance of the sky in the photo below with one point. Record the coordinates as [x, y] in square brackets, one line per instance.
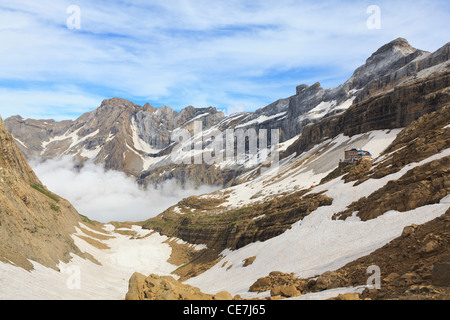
[59, 59]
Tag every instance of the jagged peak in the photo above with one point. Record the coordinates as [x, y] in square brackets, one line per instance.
[117, 102]
[304, 88]
[397, 44]
[386, 59]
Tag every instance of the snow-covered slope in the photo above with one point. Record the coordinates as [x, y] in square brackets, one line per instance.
[82, 279]
[312, 246]
[318, 243]
[303, 171]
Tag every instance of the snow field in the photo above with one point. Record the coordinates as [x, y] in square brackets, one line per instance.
[81, 279]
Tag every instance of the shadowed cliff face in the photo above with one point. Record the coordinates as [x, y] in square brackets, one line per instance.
[35, 224]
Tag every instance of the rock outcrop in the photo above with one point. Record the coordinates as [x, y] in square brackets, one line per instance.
[160, 288]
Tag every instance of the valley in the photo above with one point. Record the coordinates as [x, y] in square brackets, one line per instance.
[305, 228]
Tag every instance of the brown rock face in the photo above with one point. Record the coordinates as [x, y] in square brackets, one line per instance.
[136, 287]
[155, 287]
[35, 224]
[348, 296]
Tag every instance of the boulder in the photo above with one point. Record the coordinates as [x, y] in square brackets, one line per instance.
[328, 280]
[430, 247]
[260, 285]
[408, 230]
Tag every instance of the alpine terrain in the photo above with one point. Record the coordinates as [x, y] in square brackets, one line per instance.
[346, 195]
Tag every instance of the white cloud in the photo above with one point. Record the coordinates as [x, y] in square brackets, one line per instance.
[205, 52]
[107, 196]
[40, 103]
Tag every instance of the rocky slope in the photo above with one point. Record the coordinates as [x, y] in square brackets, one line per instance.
[35, 224]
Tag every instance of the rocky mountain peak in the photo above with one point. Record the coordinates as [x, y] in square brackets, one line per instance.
[116, 102]
[387, 59]
[304, 88]
[149, 108]
[389, 53]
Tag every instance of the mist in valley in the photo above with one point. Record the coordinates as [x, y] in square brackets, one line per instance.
[107, 195]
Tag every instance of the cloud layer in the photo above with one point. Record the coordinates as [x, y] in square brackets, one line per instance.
[229, 54]
[107, 196]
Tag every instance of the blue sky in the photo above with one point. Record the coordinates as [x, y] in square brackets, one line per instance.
[234, 55]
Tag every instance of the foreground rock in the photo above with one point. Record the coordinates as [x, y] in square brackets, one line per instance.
[156, 287]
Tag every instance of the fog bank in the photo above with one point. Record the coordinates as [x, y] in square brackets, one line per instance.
[107, 196]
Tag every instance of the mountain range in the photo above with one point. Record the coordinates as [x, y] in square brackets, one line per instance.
[135, 139]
